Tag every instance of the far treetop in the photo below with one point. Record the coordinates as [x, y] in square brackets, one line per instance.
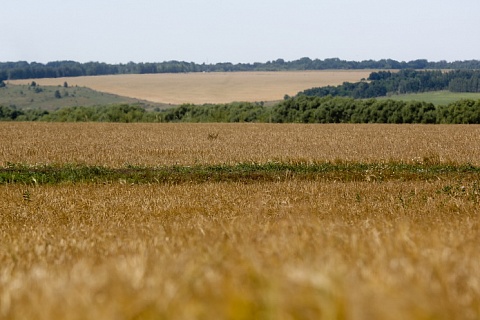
[57, 69]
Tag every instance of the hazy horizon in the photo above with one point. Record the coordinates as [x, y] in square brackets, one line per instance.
[219, 62]
[216, 31]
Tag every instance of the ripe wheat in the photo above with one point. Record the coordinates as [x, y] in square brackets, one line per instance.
[289, 250]
[116, 145]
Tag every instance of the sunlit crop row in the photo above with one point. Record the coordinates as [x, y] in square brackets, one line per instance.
[116, 145]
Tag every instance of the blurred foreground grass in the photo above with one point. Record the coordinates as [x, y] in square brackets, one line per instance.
[294, 249]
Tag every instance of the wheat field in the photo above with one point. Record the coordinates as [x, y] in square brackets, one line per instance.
[405, 248]
[290, 250]
[115, 145]
[215, 87]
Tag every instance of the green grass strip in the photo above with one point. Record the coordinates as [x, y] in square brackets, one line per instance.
[243, 172]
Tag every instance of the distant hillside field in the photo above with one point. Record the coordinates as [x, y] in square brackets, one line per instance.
[436, 97]
[214, 87]
[54, 97]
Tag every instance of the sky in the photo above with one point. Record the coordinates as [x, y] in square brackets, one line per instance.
[238, 31]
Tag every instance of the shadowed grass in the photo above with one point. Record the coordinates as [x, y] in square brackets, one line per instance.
[242, 172]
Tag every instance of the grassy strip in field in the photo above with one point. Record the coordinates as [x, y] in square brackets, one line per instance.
[242, 172]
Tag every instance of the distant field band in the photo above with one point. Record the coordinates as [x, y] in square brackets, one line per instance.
[215, 87]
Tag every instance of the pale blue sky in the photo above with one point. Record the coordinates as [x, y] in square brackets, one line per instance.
[119, 31]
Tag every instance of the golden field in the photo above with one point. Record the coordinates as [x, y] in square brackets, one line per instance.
[115, 145]
[289, 250]
[215, 87]
[292, 249]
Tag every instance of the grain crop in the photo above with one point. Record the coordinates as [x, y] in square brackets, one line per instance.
[387, 228]
[117, 145]
[288, 250]
[215, 87]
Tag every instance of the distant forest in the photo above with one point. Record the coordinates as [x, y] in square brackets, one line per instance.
[383, 83]
[57, 69]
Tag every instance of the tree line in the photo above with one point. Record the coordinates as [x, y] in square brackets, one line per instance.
[301, 109]
[57, 69]
[383, 83]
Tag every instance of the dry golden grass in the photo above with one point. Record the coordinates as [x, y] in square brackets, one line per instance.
[260, 250]
[216, 87]
[290, 250]
[115, 145]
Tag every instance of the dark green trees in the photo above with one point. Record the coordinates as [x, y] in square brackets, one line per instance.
[405, 81]
[300, 109]
[57, 69]
[346, 110]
